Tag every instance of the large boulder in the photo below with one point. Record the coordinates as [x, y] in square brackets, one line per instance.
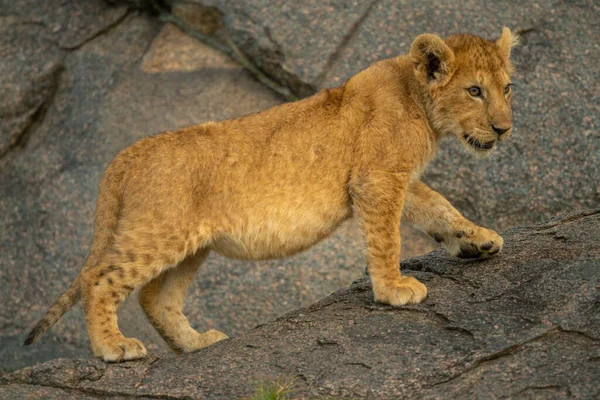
[33, 38]
[524, 324]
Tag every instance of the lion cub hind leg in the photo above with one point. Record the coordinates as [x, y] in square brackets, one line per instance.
[162, 300]
[135, 258]
[103, 289]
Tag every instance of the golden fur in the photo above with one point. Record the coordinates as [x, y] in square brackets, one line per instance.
[274, 183]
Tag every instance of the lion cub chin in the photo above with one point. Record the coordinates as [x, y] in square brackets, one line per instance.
[276, 182]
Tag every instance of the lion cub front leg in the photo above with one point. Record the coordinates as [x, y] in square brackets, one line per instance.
[430, 212]
[468, 240]
[378, 200]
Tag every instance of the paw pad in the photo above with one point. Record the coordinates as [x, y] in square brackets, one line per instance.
[487, 246]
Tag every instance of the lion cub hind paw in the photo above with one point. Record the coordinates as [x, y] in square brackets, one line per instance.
[206, 339]
[202, 340]
[120, 349]
[214, 336]
[406, 290]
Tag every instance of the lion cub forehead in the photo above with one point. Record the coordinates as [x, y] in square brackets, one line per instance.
[477, 53]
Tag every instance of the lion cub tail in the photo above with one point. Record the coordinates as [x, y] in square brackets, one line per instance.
[107, 217]
[64, 303]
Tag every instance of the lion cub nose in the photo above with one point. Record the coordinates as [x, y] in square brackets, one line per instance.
[500, 130]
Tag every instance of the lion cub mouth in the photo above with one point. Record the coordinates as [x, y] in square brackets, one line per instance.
[479, 145]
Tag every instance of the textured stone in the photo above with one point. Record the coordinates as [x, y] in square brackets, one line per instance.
[174, 50]
[28, 76]
[206, 20]
[293, 42]
[68, 24]
[524, 324]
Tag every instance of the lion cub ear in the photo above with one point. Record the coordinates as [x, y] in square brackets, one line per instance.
[432, 58]
[506, 42]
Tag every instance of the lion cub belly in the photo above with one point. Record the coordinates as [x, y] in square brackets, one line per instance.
[278, 232]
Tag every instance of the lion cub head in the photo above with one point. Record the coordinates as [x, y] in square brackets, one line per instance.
[467, 82]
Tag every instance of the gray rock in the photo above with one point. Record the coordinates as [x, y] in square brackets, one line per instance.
[524, 324]
[28, 77]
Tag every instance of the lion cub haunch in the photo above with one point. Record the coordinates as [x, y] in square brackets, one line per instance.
[274, 183]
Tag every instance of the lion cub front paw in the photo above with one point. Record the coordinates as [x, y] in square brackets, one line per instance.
[477, 242]
[406, 290]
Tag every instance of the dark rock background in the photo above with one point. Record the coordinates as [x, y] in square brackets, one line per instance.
[81, 80]
[524, 325]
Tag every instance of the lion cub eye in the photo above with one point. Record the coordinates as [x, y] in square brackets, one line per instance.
[507, 88]
[474, 91]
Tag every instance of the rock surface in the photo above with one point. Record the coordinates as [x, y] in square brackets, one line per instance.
[524, 324]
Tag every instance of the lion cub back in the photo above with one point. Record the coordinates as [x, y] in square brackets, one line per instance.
[281, 185]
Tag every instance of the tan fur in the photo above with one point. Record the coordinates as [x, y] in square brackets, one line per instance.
[276, 182]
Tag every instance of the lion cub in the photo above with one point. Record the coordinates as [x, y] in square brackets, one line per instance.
[274, 183]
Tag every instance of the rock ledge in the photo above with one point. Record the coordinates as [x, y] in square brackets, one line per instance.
[521, 325]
